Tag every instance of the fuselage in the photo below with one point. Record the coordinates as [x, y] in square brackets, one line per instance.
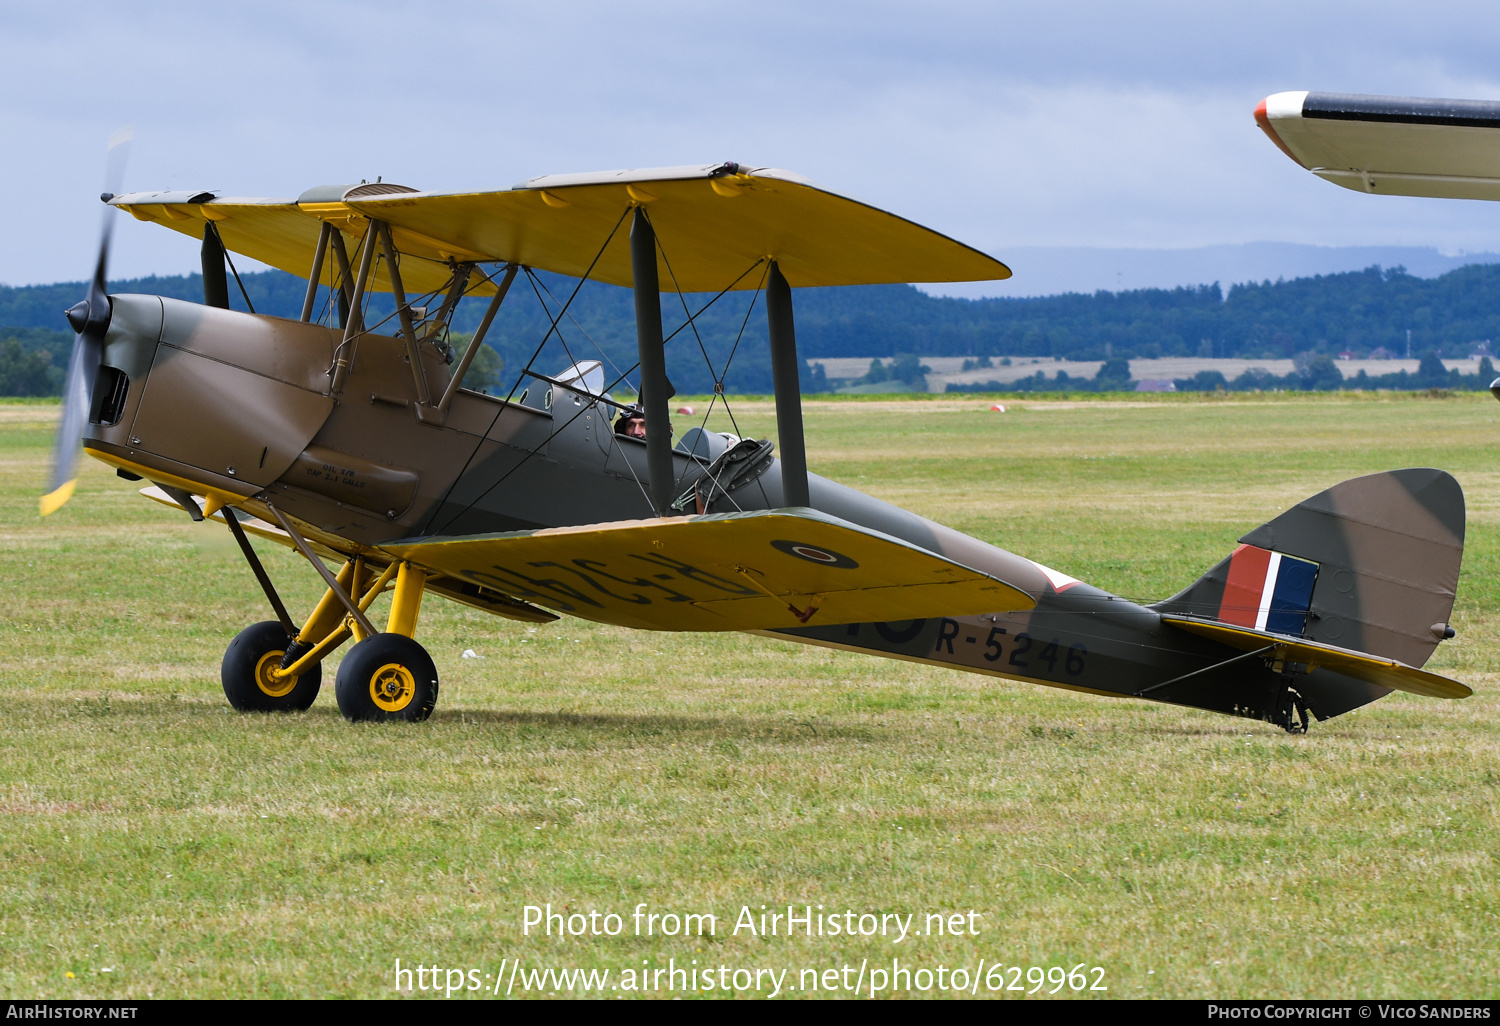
[239, 406]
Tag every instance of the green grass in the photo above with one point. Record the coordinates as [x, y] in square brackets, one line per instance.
[147, 829]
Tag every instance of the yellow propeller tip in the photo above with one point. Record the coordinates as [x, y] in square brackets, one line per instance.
[58, 497]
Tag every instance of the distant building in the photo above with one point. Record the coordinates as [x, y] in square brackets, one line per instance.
[1479, 350]
[1155, 385]
[1347, 354]
[1381, 353]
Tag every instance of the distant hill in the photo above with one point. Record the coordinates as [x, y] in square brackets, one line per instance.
[1053, 270]
[1358, 311]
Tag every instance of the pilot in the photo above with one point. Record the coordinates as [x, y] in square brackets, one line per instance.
[633, 423]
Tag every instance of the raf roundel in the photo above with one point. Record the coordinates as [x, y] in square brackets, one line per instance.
[813, 554]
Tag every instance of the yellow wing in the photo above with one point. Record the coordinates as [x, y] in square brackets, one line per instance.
[713, 225]
[1386, 673]
[711, 229]
[284, 234]
[719, 572]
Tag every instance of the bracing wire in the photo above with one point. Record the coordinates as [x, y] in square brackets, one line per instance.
[536, 281]
[567, 351]
[519, 378]
[557, 430]
[718, 377]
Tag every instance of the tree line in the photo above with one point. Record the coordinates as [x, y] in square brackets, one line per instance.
[1311, 373]
[1362, 312]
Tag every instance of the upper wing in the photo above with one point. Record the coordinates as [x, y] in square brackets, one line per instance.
[1378, 670]
[713, 222]
[1401, 146]
[712, 226]
[719, 572]
[284, 234]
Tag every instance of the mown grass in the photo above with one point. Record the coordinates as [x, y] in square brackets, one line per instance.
[147, 830]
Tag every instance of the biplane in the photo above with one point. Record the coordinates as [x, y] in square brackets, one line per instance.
[354, 441]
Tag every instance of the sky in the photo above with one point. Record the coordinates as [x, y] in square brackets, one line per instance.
[1002, 124]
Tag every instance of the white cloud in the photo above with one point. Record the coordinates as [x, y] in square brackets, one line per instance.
[1004, 124]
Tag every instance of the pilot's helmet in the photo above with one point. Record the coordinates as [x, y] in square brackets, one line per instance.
[630, 414]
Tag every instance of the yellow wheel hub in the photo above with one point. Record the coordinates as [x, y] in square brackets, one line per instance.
[392, 687]
[278, 686]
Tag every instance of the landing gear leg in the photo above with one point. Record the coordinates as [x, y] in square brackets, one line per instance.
[385, 676]
[269, 667]
[389, 676]
[251, 670]
[266, 668]
[1291, 713]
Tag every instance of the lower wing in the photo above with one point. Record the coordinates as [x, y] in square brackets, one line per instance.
[719, 572]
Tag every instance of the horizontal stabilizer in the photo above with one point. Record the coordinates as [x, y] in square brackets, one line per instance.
[1382, 672]
[719, 572]
[1395, 145]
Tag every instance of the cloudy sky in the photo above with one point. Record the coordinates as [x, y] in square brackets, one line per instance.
[1004, 124]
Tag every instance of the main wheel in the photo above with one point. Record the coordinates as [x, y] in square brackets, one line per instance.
[246, 676]
[387, 677]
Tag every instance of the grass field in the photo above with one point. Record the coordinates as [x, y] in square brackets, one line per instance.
[155, 843]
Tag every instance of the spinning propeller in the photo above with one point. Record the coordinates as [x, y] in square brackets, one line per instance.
[90, 319]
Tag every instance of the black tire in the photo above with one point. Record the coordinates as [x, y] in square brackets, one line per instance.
[253, 650]
[387, 677]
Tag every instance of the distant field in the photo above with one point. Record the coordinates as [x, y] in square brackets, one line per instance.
[155, 843]
[949, 369]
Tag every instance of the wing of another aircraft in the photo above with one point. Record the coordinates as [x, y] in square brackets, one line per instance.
[714, 222]
[1399, 146]
[1377, 670]
[719, 572]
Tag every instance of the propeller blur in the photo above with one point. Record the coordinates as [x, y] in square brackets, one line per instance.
[90, 319]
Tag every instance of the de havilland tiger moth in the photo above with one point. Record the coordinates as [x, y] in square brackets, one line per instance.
[355, 442]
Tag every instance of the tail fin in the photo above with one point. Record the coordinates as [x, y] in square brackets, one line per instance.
[1370, 565]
